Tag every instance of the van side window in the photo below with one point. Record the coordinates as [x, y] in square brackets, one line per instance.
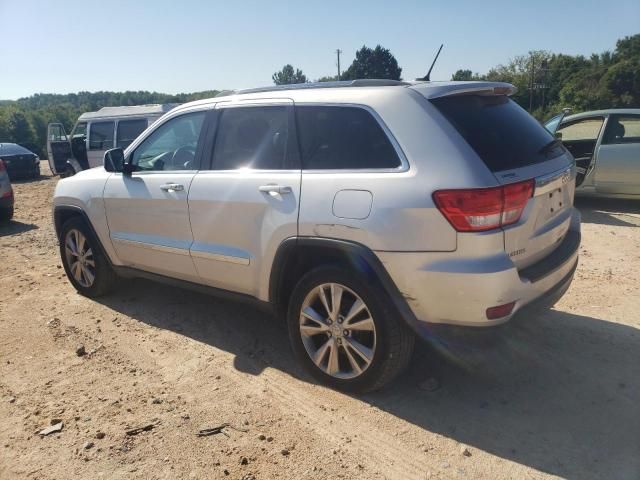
[252, 137]
[80, 130]
[351, 138]
[101, 136]
[128, 131]
[622, 129]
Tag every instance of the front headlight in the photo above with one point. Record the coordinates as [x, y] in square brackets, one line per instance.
[36, 159]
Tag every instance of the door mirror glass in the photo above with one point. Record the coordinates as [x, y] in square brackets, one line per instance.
[114, 160]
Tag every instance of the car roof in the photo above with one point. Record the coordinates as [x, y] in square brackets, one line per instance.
[127, 111]
[596, 113]
[355, 91]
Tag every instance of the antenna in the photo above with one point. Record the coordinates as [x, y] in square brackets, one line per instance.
[427, 78]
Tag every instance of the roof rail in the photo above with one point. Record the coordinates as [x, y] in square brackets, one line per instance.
[365, 82]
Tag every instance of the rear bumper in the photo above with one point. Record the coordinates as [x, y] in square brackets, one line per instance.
[21, 169]
[459, 292]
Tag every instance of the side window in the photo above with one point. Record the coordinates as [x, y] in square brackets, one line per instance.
[622, 129]
[587, 129]
[101, 136]
[80, 130]
[172, 146]
[252, 137]
[343, 138]
[128, 130]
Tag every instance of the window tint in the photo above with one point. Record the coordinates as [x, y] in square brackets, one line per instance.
[342, 138]
[622, 129]
[252, 137]
[587, 129]
[101, 136]
[128, 131]
[172, 146]
[502, 134]
[80, 130]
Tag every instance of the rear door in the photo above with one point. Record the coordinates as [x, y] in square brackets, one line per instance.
[617, 168]
[515, 147]
[58, 148]
[245, 203]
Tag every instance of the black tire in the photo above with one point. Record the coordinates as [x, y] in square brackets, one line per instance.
[394, 340]
[6, 214]
[67, 172]
[36, 172]
[104, 276]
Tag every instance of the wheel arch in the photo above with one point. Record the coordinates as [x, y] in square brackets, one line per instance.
[64, 213]
[298, 255]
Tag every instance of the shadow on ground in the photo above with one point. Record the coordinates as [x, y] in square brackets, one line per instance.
[609, 211]
[559, 392]
[14, 227]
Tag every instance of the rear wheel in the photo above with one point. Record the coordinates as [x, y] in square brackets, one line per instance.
[86, 267]
[344, 332]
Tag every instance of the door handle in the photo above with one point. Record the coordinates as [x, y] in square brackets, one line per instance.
[172, 187]
[273, 189]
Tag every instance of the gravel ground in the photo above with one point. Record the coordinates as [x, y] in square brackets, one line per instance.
[552, 395]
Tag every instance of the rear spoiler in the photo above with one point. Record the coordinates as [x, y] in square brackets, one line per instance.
[433, 90]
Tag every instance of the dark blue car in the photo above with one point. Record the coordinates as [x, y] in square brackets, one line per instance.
[19, 162]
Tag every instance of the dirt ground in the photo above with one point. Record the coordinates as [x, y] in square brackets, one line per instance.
[552, 395]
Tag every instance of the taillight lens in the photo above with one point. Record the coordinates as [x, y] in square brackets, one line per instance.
[2, 167]
[480, 209]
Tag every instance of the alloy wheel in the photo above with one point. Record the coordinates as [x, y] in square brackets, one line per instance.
[79, 257]
[338, 331]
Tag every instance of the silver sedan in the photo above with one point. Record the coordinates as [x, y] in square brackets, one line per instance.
[606, 146]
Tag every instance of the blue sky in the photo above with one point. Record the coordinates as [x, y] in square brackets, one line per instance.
[63, 46]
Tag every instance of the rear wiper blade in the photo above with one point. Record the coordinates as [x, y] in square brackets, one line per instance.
[553, 143]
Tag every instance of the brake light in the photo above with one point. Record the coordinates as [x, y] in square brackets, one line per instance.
[2, 167]
[480, 209]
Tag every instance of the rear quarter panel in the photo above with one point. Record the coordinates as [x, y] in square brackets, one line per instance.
[403, 216]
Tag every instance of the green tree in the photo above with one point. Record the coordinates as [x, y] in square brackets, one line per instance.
[378, 62]
[465, 75]
[328, 78]
[288, 76]
[21, 131]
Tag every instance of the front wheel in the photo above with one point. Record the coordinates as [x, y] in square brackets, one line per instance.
[345, 332]
[87, 268]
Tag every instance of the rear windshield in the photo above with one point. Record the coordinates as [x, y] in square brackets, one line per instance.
[503, 135]
[13, 149]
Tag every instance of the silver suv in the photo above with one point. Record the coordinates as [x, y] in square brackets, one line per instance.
[362, 211]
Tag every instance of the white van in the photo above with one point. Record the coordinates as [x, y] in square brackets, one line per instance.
[96, 132]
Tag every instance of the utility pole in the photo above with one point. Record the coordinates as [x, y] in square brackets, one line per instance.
[338, 52]
[531, 84]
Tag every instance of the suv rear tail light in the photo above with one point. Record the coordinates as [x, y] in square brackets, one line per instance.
[480, 209]
[2, 167]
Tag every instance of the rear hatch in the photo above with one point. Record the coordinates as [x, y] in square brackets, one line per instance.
[516, 148]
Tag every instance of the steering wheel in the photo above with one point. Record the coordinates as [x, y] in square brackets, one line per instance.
[184, 155]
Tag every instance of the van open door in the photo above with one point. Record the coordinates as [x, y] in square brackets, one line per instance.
[58, 148]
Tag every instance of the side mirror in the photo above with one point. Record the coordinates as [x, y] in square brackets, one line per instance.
[114, 160]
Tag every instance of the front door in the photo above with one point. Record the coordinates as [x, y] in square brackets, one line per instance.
[147, 211]
[245, 203]
[618, 165]
[58, 148]
[581, 139]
